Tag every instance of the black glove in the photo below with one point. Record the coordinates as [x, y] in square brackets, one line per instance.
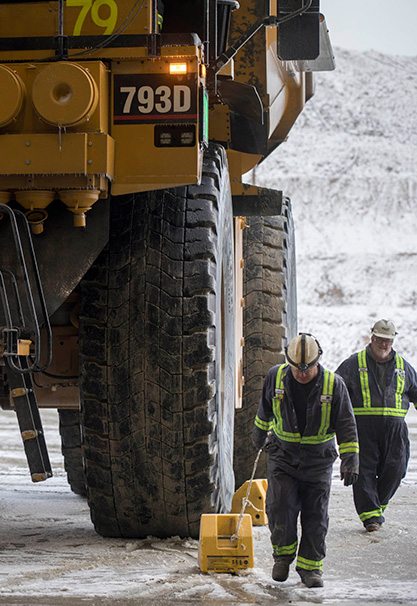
[349, 477]
[260, 438]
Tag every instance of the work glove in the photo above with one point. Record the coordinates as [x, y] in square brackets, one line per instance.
[349, 477]
[260, 438]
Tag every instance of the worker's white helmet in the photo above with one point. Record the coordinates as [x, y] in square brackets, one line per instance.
[303, 351]
[384, 329]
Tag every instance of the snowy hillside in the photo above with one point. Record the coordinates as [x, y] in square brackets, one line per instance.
[349, 167]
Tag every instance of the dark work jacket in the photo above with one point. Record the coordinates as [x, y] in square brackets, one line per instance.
[391, 403]
[312, 449]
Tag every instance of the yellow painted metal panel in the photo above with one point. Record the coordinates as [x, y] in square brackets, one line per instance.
[239, 164]
[35, 154]
[100, 154]
[139, 164]
[73, 153]
[81, 17]
[250, 61]
[219, 123]
[281, 89]
[34, 19]
[105, 17]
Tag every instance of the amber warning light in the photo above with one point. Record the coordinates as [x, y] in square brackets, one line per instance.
[177, 68]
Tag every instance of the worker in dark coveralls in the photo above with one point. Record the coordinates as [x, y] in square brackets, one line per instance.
[303, 407]
[381, 385]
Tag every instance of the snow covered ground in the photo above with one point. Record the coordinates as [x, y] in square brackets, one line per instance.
[50, 554]
[349, 168]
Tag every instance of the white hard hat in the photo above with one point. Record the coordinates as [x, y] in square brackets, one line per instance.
[384, 329]
[303, 351]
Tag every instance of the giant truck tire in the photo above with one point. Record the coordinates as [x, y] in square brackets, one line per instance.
[157, 360]
[71, 448]
[269, 321]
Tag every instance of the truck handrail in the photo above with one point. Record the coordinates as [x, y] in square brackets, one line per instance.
[34, 367]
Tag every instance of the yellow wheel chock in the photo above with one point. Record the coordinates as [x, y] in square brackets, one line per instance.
[226, 542]
[225, 545]
[255, 501]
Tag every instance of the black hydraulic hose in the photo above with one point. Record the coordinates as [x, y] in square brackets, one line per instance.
[299, 11]
[13, 280]
[16, 291]
[60, 53]
[6, 306]
[40, 293]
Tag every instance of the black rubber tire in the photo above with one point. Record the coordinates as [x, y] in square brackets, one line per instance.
[72, 451]
[157, 360]
[269, 321]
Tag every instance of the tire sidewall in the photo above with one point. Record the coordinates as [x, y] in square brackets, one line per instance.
[225, 348]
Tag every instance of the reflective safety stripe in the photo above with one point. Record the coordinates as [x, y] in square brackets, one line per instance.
[370, 514]
[364, 379]
[326, 402]
[348, 447]
[317, 439]
[309, 564]
[367, 409]
[382, 412]
[285, 550]
[265, 425]
[400, 381]
[287, 436]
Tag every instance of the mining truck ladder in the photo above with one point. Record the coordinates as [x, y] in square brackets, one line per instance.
[17, 333]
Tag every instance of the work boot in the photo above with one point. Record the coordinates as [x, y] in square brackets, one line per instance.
[280, 571]
[311, 578]
[372, 527]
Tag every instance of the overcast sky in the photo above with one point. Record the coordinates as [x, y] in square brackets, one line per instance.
[388, 26]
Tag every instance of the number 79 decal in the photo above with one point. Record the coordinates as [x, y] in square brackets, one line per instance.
[93, 7]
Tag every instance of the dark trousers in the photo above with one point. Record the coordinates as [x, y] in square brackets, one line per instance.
[293, 492]
[384, 453]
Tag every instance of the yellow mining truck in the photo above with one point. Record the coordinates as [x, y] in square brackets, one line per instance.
[141, 280]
